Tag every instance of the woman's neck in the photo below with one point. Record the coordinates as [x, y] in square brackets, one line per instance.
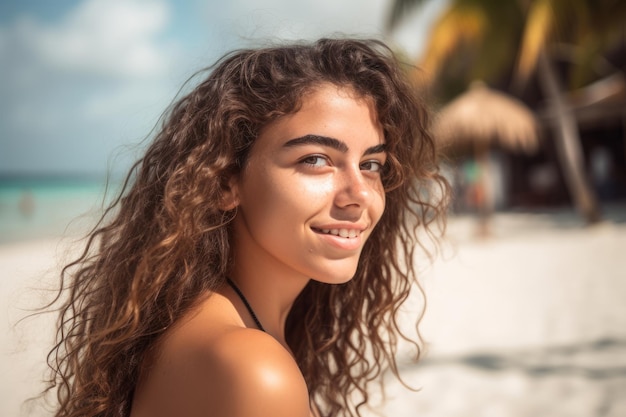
[270, 292]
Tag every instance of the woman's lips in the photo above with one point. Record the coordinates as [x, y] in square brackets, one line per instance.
[350, 239]
[342, 232]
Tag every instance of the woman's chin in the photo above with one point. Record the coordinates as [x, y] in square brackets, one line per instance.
[336, 278]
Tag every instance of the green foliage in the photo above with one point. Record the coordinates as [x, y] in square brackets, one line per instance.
[496, 40]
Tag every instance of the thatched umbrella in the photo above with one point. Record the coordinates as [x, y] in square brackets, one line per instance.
[481, 117]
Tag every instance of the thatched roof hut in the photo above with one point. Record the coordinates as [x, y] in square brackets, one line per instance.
[482, 116]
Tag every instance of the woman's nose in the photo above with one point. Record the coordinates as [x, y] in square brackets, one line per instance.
[353, 189]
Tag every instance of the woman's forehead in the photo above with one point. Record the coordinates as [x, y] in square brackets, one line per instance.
[330, 110]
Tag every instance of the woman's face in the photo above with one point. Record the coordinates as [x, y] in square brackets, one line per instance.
[311, 191]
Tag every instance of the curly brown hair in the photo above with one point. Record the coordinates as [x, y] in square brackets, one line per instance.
[165, 241]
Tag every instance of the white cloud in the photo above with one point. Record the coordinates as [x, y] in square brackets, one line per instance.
[80, 84]
[279, 19]
[310, 19]
[102, 37]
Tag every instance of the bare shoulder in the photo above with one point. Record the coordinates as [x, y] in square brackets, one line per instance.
[234, 372]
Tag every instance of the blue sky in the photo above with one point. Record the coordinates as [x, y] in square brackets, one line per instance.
[83, 81]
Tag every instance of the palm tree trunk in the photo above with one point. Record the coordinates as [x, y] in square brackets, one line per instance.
[567, 139]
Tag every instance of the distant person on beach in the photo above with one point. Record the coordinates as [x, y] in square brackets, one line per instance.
[257, 258]
[27, 203]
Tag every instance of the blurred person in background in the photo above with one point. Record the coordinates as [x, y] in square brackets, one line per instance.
[256, 259]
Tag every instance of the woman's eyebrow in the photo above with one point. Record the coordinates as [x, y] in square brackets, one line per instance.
[376, 149]
[317, 140]
[331, 143]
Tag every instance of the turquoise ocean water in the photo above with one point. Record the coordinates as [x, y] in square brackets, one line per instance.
[42, 208]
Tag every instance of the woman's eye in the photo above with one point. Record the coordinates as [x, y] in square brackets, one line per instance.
[315, 160]
[372, 166]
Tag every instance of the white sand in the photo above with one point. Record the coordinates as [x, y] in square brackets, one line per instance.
[26, 271]
[531, 322]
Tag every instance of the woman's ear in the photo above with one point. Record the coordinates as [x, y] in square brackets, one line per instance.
[230, 195]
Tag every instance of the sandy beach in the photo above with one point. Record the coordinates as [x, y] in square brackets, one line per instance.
[529, 322]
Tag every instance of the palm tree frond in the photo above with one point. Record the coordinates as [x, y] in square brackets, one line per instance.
[539, 25]
[460, 26]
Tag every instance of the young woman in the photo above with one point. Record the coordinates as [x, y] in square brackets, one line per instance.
[257, 258]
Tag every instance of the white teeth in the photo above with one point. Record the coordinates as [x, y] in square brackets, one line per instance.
[345, 233]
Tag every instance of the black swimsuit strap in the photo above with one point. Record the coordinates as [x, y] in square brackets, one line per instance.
[246, 303]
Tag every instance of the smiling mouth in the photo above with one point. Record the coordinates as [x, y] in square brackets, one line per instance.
[345, 233]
